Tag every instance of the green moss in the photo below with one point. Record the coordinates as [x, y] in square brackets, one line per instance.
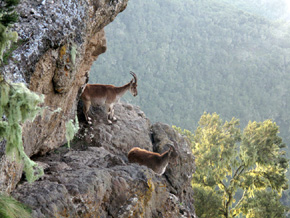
[73, 54]
[18, 104]
[71, 130]
[8, 53]
[6, 38]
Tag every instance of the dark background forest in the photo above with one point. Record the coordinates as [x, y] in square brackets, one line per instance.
[228, 57]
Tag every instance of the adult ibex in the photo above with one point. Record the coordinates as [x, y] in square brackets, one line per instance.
[108, 95]
[157, 162]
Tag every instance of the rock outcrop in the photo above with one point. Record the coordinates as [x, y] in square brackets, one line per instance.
[59, 41]
[94, 178]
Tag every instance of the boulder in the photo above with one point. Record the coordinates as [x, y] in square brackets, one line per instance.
[93, 178]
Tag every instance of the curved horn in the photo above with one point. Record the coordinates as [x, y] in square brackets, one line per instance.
[172, 146]
[134, 75]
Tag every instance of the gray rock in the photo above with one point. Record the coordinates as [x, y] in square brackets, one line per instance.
[59, 41]
[94, 178]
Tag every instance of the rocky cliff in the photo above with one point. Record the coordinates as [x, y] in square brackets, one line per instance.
[94, 178]
[59, 40]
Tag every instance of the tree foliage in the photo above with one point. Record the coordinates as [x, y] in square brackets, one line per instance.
[223, 56]
[238, 166]
[210, 201]
[202, 56]
[263, 205]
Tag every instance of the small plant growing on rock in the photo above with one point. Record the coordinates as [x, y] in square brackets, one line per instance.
[7, 17]
[18, 104]
[10, 208]
[71, 130]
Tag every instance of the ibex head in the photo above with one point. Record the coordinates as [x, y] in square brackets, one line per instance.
[133, 84]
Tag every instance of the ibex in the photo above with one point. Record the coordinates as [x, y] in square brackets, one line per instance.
[157, 162]
[108, 95]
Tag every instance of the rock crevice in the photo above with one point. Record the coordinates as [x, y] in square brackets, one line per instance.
[95, 179]
[60, 40]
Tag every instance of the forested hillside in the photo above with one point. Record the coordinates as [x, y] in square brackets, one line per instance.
[228, 57]
[270, 9]
[196, 56]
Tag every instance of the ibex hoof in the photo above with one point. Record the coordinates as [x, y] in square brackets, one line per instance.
[110, 122]
[114, 119]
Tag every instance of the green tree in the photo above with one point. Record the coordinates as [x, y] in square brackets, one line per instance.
[263, 205]
[238, 166]
[210, 201]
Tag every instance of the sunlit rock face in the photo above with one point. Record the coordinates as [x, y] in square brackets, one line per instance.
[59, 41]
[95, 179]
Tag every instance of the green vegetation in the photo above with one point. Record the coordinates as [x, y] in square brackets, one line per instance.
[270, 9]
[10, 208]
[228, 57]
[7, 17]
[73, 54]
[71, 130]
[18, 104]
[240, 172]
[202, 56]
[264, 205]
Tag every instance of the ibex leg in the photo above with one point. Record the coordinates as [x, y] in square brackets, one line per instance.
[108, 112]
[86, 108]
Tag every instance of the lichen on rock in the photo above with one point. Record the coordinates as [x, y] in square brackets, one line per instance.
[62, 39]
[65, 71]
[95, 179]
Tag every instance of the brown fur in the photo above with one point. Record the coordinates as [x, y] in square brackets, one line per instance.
[108, 95]
[157, 162]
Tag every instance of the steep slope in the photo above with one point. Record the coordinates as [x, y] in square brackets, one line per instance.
[202, 56]
[59, 40]
[94, 178]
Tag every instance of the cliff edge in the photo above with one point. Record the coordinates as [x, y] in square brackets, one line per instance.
[59, 40]
[94, 178]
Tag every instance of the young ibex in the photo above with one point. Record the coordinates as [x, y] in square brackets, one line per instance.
[157, 162]
[108, 95]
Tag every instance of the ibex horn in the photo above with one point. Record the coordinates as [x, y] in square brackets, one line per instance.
[134, 75]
